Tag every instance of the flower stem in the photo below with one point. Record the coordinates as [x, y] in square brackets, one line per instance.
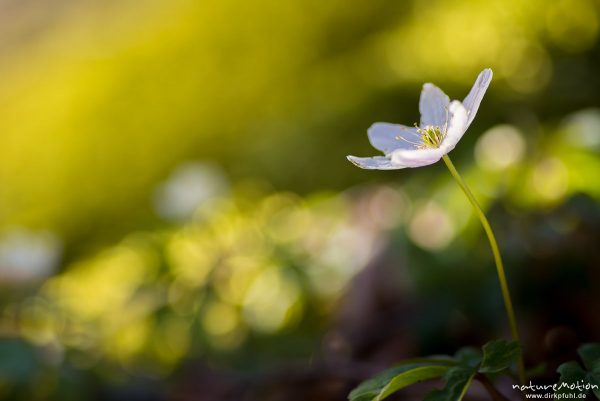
[497, 258]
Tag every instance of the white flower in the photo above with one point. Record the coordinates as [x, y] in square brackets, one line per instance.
[443, 123]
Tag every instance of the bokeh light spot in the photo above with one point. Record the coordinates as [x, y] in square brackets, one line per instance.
[550, 179]
[430, 227]
[273, 301]
[219, 318]
[499, 148]
[525, 65]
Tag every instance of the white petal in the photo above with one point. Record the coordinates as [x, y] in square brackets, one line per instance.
[457, 126]
[474, 97]
[389, 137]
[433, 106]
[374, 163]
[416, 158]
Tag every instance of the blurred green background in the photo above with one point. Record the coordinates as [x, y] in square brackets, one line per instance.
[178, 220]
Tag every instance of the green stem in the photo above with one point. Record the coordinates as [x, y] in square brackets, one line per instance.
[497, 258]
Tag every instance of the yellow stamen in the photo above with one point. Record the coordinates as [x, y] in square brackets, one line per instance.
[431, 136]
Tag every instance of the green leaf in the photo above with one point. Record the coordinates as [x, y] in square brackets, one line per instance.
[499, 355]
[596, 368]
[570, 373]
[589, 353]
[594, 379]
[573, 373]
[412, 376]
[392, 380]
[458, 379]
[468, 356]
[369, 389]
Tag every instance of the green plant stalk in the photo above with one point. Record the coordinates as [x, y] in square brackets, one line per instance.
[497, 258]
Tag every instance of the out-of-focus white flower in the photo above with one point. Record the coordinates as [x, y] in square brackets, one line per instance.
[190, 185]
[442, 125]
[28, 256]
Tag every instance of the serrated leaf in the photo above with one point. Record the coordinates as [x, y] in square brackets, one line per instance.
[468, 356]
[499, 355]
[392, 380]
[589, 353]
[573, 373]
[594, 379]
[570, 373]
[458, 379]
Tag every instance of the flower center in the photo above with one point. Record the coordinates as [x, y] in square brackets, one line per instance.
[432, 137]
